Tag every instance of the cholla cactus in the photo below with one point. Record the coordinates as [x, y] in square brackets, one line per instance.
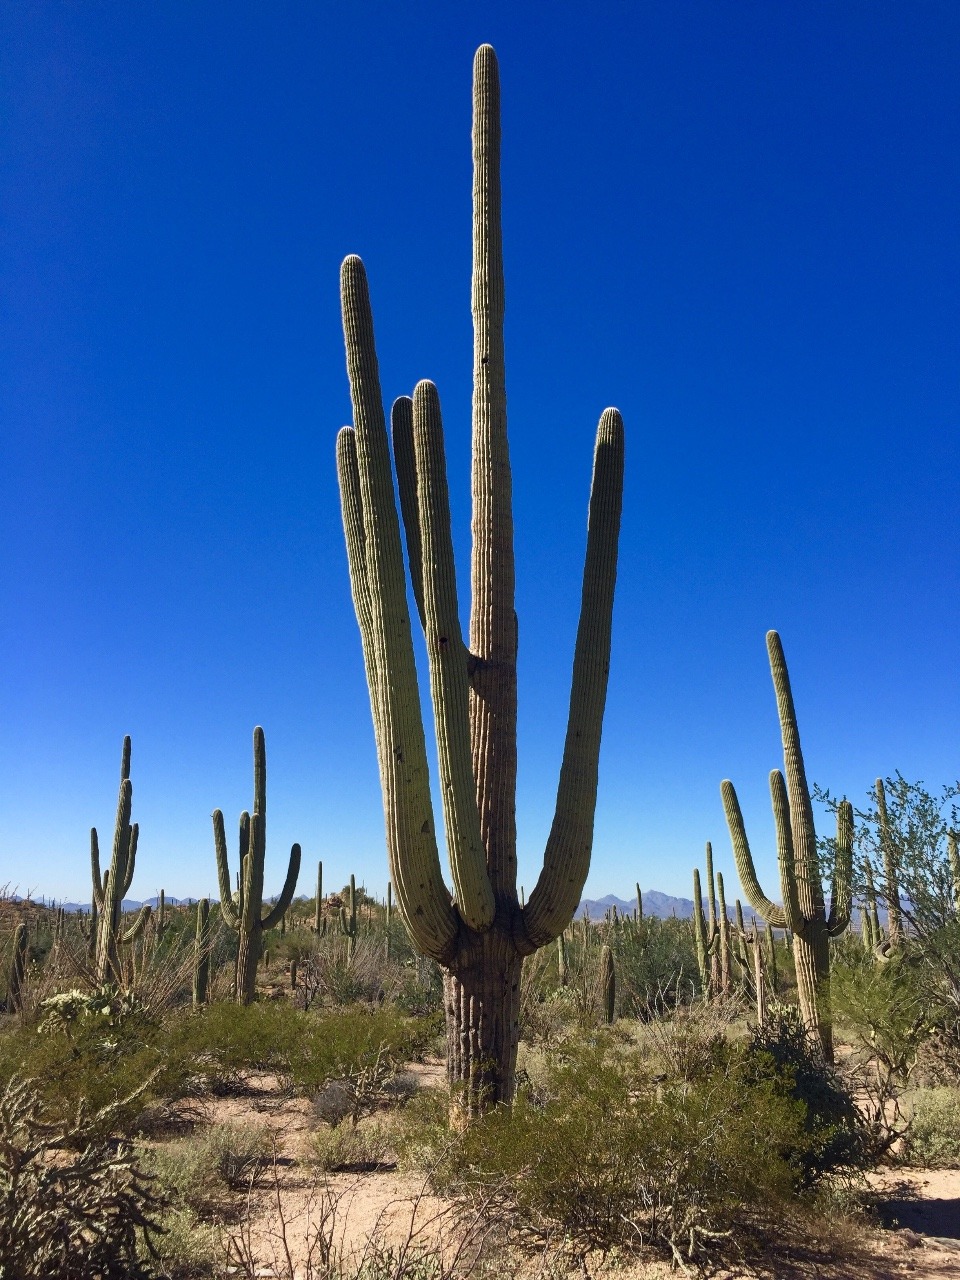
[110, 889]
[245, 914]
[803, 910]
[481, 933]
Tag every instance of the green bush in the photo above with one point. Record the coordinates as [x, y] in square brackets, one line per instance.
[608, 1155]
[933, 1139]
[199, 1172]
[780, 1052]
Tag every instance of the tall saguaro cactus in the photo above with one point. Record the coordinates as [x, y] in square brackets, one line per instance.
[245, 913]
[110, 888]
[480, 934]
[803, 911]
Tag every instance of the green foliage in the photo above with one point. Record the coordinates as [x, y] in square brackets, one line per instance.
[72, 1204]
[781, 1052]
[934, 1136]
[882, 1006]
[94, 1049]
[199, 1172]
[655, 960]
[607, 1154]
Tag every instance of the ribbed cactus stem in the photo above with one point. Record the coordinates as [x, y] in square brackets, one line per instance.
[803, 910]
[388, 918]
[608, 984]
[953, 858]
[482, 933]
[563, 969]
[874, 932]
[201, 953]
[18, 969]
[891, 877]
[772, 957]
[246, 913]
[723, 930]
[639, 902]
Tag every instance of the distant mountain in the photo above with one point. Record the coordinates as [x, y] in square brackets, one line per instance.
[128, 904]
[655, 903]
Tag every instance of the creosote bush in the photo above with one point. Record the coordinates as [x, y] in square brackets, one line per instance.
[933, 1140]
[607, 1153]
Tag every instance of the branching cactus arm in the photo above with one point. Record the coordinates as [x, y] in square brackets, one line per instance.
[567, 856]
[272, 917]
[228, 908]
[744, 859]
[422, 896]
[404, 459]
[449, 683]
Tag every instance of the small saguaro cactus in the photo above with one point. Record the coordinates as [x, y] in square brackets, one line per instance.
[110, 888]
[803, 910]
[639, 902]
[245, 913]
[318, 908]
[201, 953]
[347, 918]
[608, 984]
[481, 933]
[18, 969]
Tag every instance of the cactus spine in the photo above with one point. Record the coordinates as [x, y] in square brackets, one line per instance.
[18, 969]
[803, 909]
[481, 935]
[201, 953]
[246, 914]
[110, 888]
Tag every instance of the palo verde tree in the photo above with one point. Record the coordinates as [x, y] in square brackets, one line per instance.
[803, 910]
[480, 933]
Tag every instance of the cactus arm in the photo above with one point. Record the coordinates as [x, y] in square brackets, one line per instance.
[447, 655]
[806, 864]
[95, 869]
[744, 859]
[135, 930]
[227, 909]
[894, 920]
[711, 893]
[699, 930]
[785, 852]
[567, 856]
[131, 859]
[351, 509]
[841, 897]
[404, 460]
[121, 834]
[422, 896]
[288, 890]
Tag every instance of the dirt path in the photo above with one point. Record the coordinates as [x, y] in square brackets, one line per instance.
[297, 1214]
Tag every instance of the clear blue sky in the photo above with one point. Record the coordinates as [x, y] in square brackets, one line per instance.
[736, 222]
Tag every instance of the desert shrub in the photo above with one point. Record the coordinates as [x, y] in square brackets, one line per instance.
[186, 1249]
[352, 1149]
[933, 1139]
[691, 1042]
[655, 960]
[199, 1172]
[781, 1052]
[96, 1048]
[607, 1154]
[883, 1007]
[72, 1203]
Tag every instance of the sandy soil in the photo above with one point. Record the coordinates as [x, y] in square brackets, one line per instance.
[296, 1213]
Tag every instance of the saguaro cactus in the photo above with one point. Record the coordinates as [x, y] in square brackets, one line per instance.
[608, 985]
[201, 953]
[482, 933]
[347, 918]
[891, 880]
[110, 888]
[803, 901]
[18, 969]
[245, 913]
